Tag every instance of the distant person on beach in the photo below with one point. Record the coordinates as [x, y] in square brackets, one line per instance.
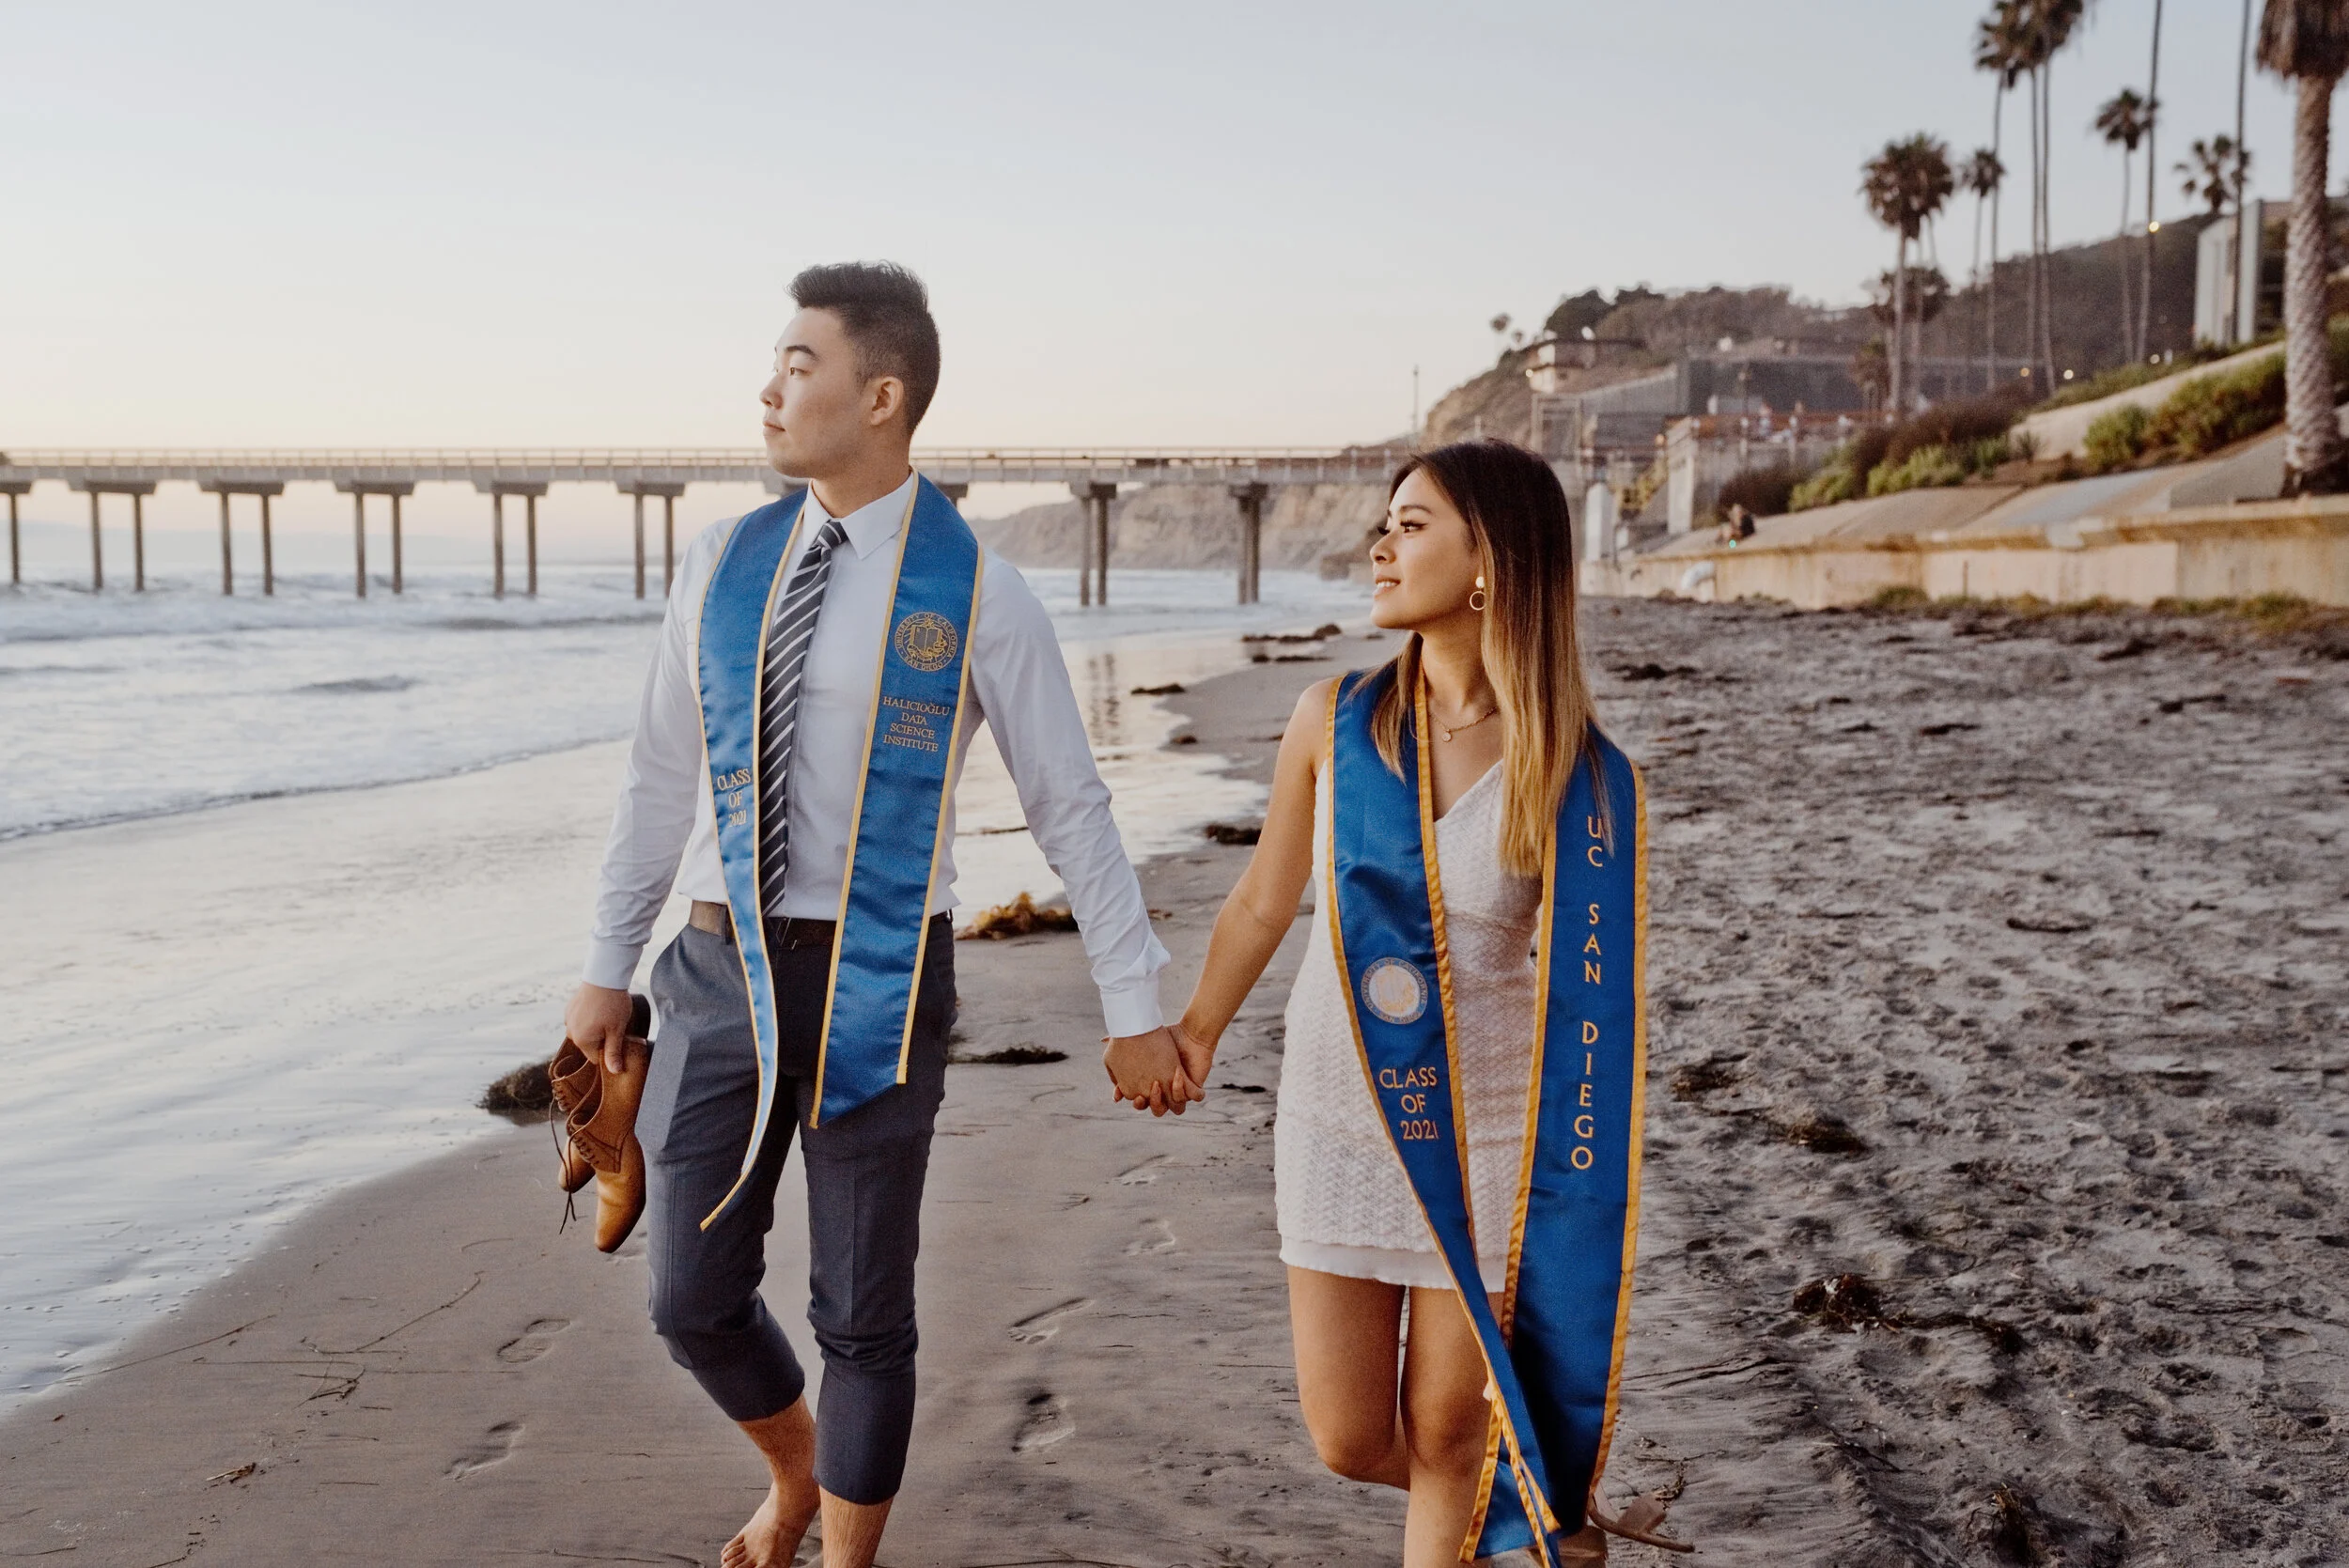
[1457, 810]
[823, 664]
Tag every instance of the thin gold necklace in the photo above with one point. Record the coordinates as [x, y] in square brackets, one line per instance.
[1451, 730]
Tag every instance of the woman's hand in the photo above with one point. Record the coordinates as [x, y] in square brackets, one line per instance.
[1197, 1054]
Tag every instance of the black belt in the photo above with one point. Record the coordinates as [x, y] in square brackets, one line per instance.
[787, 932]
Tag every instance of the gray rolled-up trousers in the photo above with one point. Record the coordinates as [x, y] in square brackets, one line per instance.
[864, 1175]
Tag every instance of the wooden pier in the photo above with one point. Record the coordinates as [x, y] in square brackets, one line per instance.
[1094, 475]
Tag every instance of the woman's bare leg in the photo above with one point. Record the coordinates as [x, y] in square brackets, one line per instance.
[1346, 1333]
[1445, 1418]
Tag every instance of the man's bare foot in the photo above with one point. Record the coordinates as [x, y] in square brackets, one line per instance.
[770, 1540]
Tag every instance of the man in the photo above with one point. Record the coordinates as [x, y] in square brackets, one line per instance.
[815, 983]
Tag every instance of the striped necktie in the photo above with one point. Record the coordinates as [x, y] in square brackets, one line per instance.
[788, 636]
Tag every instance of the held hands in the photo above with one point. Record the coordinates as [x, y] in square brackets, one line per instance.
[1161, 1071]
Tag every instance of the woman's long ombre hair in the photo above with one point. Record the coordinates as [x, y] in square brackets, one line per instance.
[1517, 514]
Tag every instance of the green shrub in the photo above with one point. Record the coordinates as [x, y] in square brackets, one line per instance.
[1834, 482]
[2117, 437]
[2212, 411]
[1927, 468]
[1985, 455]
[2120, 378]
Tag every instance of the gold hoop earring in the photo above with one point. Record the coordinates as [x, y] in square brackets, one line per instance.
[1477, 600]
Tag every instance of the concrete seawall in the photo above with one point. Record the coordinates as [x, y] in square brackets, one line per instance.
[2240, 552]
[2202, 530]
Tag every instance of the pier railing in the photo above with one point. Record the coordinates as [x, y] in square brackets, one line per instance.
[700, 465]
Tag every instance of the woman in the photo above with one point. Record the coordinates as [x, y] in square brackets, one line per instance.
[1487, 715]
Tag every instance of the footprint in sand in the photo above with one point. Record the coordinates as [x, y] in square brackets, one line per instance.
[1038, 1326]
[1142, 1174]
[533, 1342]
[1157, 1236]
[1046, 1424]
[491, 1446]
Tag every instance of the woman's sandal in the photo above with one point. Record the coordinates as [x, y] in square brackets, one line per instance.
[1639, 1521]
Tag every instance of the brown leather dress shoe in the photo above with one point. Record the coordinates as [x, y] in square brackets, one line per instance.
[600, 1117]
[578, 1085]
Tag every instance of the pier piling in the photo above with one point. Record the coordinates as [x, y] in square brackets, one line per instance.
[1251, 499]
[498, 489]
[138, 490]
[1093, 578]
[358, 489]
[15, 490]
[264, 488]
[668, 491]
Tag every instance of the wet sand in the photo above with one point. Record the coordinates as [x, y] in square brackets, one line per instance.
[2031, 1028]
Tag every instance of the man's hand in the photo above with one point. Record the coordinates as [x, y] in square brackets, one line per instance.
[597, 1021]
[1148, 1069]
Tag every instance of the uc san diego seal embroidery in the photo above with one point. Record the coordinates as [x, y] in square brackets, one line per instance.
[927, 641]
[1394, 990]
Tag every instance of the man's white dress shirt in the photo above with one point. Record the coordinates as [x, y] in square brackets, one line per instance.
[1018, 686]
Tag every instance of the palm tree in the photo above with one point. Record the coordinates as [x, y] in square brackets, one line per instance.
[2002, 47]
[2308, 41]
[2124, 120]
[1998, 48]
[1870, 373]
[2152, 219]
[1982, 175]
[2209, 167]
[2047, 27]
[2239, 330]
[2214, 170]
[1904, 186]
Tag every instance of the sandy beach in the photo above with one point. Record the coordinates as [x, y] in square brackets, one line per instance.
[1993, 1196]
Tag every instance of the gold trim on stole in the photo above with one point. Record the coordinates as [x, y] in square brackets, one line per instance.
[758, 801]
[1370, 1081]
[938, 829]
[856, 819]
[1639, 1120]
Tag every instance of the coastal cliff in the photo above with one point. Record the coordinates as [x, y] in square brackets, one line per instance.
[1196, 525]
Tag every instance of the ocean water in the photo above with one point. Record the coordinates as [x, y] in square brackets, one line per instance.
[120, 706]
[288, 881]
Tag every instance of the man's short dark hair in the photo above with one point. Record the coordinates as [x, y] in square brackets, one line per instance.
[886, 313]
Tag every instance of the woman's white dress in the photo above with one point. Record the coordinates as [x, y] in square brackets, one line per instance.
[1344, 1203]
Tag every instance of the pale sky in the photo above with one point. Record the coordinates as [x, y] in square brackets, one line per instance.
[530, 224]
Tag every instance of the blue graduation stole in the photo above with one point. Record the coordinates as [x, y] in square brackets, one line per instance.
[918, 697]
[1554, 1352]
